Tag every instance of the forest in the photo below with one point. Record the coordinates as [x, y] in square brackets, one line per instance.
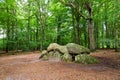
[30, 25]
[59, 39]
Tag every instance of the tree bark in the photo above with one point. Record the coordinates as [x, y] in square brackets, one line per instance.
[117, 28]
[8, 32]
[37, 32]
[116, 41]
[91, 35]
[58, 30]
[78, 29]
[28, 26]
[90, 27]
[73, 24]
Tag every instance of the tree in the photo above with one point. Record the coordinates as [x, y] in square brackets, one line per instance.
[79, 14]
[33, 25]
[117, 16]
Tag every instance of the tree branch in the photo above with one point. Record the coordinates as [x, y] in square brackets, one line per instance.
[66, 4]
[70, 4]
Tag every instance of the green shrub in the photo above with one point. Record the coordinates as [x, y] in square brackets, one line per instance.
[24, 47]
[33, 45]
[86, 59]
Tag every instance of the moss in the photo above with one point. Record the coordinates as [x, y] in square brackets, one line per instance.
[86, 59]
[46, 57]
[77, 49]
[67, 57]
[56, 54]
[52, 54]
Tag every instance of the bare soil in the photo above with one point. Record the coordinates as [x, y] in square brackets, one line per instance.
[29, 67]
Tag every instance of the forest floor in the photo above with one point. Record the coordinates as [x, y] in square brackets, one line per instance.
[29, 67]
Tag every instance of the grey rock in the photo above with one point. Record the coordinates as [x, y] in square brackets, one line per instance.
[77, 49]
[57, 47]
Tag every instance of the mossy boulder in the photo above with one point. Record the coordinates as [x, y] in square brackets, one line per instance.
[53, 47]
[68, 53]
[57, 47]
[43, 53]
[77, 49]
[67, 57]
[52, 55]
[86, 59]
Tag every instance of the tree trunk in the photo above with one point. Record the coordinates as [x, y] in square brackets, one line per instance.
[42, 37]
[90, 26]
[91, 35]
[117, 27]
[102, 35]
[106, 26]
[78, 32]
[37, 32]
[74, 29]
[28, 26]
[77, 16]
[58, 30]
[16, 31]
[116, 41]
[8, 32]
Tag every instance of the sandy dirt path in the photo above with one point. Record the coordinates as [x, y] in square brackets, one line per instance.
[29, 67]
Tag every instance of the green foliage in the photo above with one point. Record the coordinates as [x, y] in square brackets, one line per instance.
[86, 59]
[30, 24]
[1, 44]
[33, 45]
[24, 47]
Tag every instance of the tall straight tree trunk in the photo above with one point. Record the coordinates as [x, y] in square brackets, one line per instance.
[37, 32]
[42, 37]
[91, 34]
[74, 29]
[77, 16]
[106, 26]
[116, 40]
[58, 30]
[78, 32]
[28, 26]
[102, 35]
[96, 35]
[117, 27]
[85, 35]
[8, 32]
[3, 40]
[90, 26]
[42, 31]
[42, 21]
[16, 31]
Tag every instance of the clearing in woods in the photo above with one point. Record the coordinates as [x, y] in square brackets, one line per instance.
[29, 67]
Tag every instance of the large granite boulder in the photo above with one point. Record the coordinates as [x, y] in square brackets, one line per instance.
[44, 52]
[67, 52]
[57, 47]
[77, 49]
[53, 47]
